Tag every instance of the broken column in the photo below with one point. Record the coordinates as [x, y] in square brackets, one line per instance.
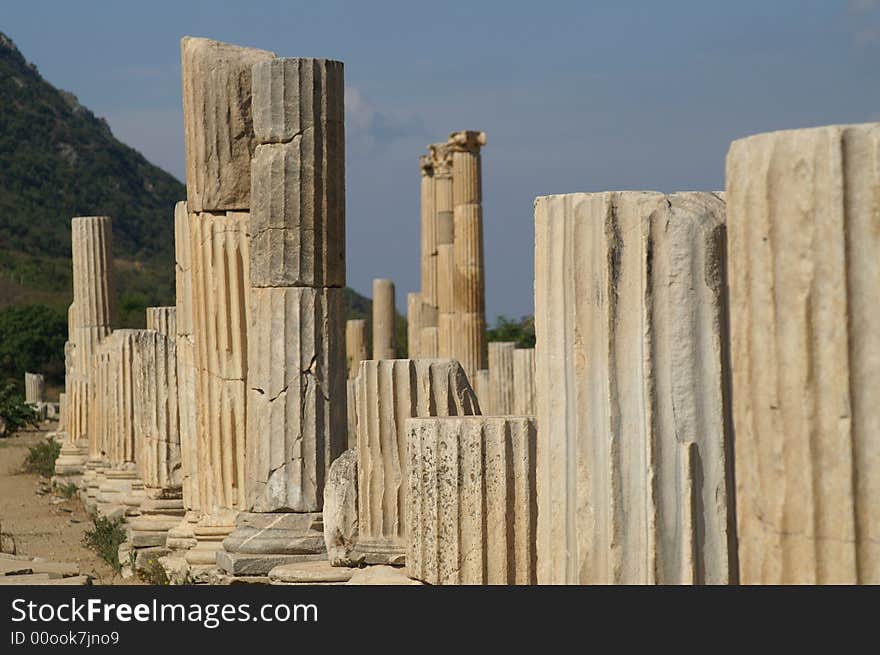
[501, 378]
[428, 343]
[634, 474]
[220, 142]
[181, 537]
[803, 239]
[482, 389]
[469, 340]
[296, 350]
[157, 437]
[33, 388]
[89, 319]
[441, 162]
[414, 325]
[471, 504]
[383, 319]
[388, 393]
[524, 382]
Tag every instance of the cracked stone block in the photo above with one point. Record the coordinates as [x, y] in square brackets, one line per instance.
[803, 244]
[634, 472]
[388, 393]
[162, 320]
[472, 506]
[297, 419]
[218, 127]
[341, 509]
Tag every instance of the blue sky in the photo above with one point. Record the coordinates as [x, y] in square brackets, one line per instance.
[574, 96]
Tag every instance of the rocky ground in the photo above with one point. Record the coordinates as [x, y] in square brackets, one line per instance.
[44, 525]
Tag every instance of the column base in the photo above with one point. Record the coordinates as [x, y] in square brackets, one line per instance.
[181, 537]
[379, 551]
[209, 540]
[71, 460]
[263, 541]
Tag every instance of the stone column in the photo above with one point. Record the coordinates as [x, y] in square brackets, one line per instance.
[482, 389]
[388, 393]
[428, 343]
[471, 504]
[414, 325]
[355, 345]
[220, 143]
[501, 378]
[89, 321]
[803, 240]
[524, 382]
[157, 437]
[33, 388]
[441, 161]
[469, 341]
[634, 474]
[181, 537]
[383, 319]
[297, 414]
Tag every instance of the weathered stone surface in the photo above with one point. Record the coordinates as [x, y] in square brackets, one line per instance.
[501, 378]
[241, 564]
[472, 507]
[297, 419]
[281, 533]
[163, 320]
[218, 128]
[429, 237]
[383, 319]
[186, 363]
[221, 307]
[33, 388]
[388, 393]
[350, 395]
[355, 345]
[803, 243]
[310, 573]
[483, 390]
[524, 382]
[414, 324]
[634, 472]
[381, 575]
[298, 215]
[341, 509]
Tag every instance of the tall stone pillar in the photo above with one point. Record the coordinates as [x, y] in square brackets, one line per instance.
[471, 500]
[89, 321]
[524, 382]
[441, 162]
[220, 142]
[414, 325]
[355, 345]
[388, 393]
[383, 319]
[634, 474]
[501, 392]
[428, 337]
[33, 388]
[803, 240]
[469, 341]
[297, 416]
[181, 537]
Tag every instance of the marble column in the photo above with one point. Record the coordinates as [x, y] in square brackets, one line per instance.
[803, 244]
[428, 336]
[414, 325]
[441, 162]
[355, 345]
[469, 341]
[634, 469]
[297, 415]
[524, 382]
[33, 388]
[383, 319]
[501, 393]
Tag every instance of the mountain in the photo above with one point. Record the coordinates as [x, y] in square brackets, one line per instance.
[58, 160]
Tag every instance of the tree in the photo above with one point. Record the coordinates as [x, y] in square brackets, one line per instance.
[32, 339]
[521, 332]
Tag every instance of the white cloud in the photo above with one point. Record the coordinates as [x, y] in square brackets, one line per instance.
[369, 129]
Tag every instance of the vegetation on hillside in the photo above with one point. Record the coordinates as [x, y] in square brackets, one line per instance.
[522, 332]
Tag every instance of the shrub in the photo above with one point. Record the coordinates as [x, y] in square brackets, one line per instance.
[104, 538]
[41, 458]
[14, 412]
[68, 490]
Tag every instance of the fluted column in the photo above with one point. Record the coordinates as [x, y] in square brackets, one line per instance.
[524, 382]
[469, 342]
[383, 319]
[634, 475]
[33, 388]
[388, 393]
[441, 161]
[414, 325]
[501, 378]
[428, 336]
[803, 244]
[297, 415]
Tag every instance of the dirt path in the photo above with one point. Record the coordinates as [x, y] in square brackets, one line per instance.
[42, 524]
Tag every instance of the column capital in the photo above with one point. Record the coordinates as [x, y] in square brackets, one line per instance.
[441, 157]
[426, 165]
[466, 141]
